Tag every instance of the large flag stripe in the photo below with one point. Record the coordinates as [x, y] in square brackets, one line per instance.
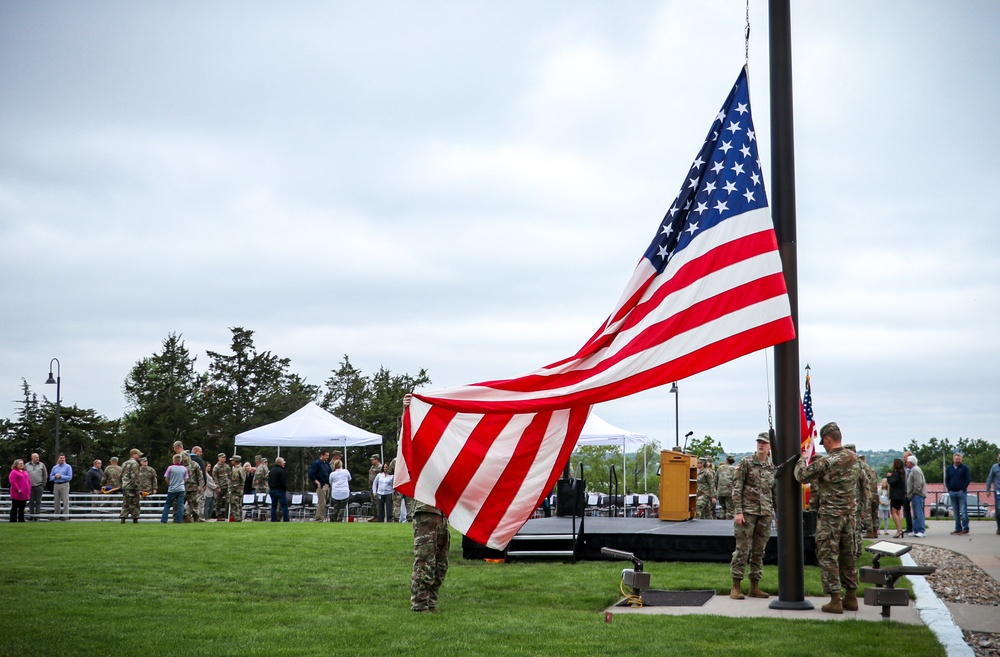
[473, 453]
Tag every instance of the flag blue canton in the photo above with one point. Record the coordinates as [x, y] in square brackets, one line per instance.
[807, 403]
[724, 180]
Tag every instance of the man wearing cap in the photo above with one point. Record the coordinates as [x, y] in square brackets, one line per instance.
[753, 504]
[237, 478]
[706, 490]
[131, 490]
[112, 477]
[147, 478]
[837, 478]
[260, 475]
[724, 486]
[221, 473]
[319, 474]
[374, 470]
[194, 491]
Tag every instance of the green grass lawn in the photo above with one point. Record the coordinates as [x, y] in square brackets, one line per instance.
[343, 589]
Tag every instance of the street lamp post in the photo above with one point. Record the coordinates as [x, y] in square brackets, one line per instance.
[677, 415]
[58, 383]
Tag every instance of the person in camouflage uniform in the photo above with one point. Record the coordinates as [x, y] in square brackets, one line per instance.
[753, 504]
[194, 490]
[431, 542]
[112, 477]
[837, 478]
[861, 516]
[706, 491]
[131, 490]
[147, 478]
[221, 473]
[724, 487]
[237, 478]
[871, 511]
[260, 475]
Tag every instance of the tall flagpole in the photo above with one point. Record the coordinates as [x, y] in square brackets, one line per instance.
[791, 578]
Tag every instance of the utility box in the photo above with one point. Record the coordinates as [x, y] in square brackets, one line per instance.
[678, 485]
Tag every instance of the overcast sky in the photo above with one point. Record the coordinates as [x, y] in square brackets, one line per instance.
[467, 187]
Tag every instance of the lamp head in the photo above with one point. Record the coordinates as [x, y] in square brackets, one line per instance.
[673, 388]
[51, 380]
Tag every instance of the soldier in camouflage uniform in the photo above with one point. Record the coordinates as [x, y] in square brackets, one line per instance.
[237, 478]
[753, 503]
[431, 542]
[194, 485]
[724, 487]
[130, 488]
[861, 516]
[112, 477]
[871, 516]
[260, 476]
[706, 491]
[147, 478]
[837, 479]
[221, 473]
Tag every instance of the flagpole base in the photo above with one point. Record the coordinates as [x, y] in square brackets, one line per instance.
[792, 605]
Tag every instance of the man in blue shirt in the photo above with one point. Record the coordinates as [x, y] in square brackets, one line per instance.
[993, 482]
[957, 479]
[319, 474]
[60, 476]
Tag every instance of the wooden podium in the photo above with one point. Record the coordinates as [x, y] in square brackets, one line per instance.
[678, 485]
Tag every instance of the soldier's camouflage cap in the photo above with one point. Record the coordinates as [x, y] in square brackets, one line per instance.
[827, 428]
[144, 459]
[222, 455]
[852, 447]
[764, 437]
[178, 443]
[236, 457]
[374, 456]
[258, 458]
[135, 452]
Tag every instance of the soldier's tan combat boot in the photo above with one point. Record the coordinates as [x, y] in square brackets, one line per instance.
[834, 606]
[755, 591]
[736, 593]
[850, 601]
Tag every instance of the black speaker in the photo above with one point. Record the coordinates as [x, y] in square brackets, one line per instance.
[570, 495]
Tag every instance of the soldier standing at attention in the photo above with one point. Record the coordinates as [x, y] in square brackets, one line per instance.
[724, 486]
[147, 478]
[112, 477]
[836, 477]
[221, 474]
[861, 515]
[753, 503]
[131, 488]
[706, 490]
[237, 478]
[374, 471]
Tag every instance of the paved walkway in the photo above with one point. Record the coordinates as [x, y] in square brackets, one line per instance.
[982, 546]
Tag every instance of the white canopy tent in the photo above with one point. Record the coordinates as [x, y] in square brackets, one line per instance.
[310, 426]
[598, 431]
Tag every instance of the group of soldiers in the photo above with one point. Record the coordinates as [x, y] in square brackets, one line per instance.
[843, 492]
[136, 479]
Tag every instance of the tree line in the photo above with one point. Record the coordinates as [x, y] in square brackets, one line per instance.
[168, 399]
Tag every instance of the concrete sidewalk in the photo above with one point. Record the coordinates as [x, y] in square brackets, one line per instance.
[982, 546]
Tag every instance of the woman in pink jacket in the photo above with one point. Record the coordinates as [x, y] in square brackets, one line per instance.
[20, 490]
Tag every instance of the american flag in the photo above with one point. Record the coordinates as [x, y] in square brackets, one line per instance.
[808, 423]
[707, 290]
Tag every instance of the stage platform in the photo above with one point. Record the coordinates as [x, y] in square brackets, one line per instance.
[650, 539]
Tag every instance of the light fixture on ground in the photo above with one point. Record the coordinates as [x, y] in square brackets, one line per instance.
[58, 383]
